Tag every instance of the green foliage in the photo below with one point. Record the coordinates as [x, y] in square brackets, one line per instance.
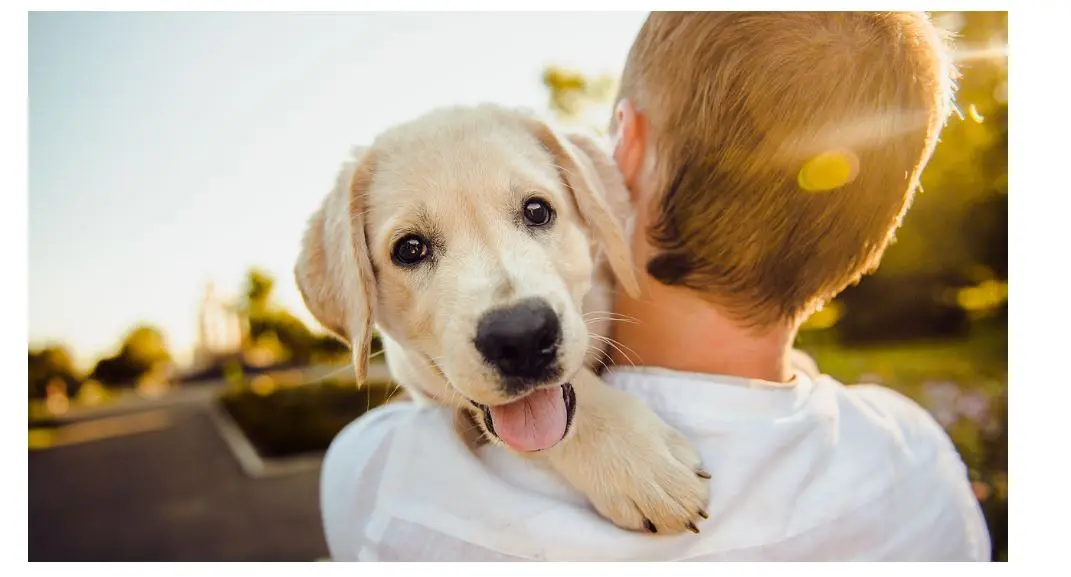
[46, 366]
[275, 329]
[573, 96]
[959, 220]
[146, 346]
[300, 419]
[144, 349]
[951, 253]
[258, 291]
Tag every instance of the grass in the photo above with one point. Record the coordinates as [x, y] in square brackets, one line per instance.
[946, 377]
[978, 363]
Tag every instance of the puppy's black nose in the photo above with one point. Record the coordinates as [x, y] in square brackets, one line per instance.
[521, 341]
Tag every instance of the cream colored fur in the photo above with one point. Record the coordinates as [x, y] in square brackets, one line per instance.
[458, 175]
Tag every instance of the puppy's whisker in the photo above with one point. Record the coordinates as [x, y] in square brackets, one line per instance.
[623, 345]
[329, 376]
[588, 321]
[611, 314]
[394, 390]
[610, 318]
[614, 344]
[600, 356]
[471, 428]
[368, 398]
[632, 351]
[456, 398]
[451, 395]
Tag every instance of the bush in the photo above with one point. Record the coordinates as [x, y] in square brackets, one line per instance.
[902, 308]
[304, 419]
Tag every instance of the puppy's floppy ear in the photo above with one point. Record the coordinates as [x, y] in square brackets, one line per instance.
[594, 182]
[334, 272]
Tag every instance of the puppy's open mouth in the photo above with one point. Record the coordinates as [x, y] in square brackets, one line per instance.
[534, 422]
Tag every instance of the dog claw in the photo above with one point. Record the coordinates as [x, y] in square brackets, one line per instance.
[703, 514]
[693, 528]
[647, 524]
[702, 474]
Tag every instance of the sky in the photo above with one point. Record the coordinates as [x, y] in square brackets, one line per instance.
[167, 151]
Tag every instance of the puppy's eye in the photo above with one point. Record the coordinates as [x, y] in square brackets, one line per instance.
[537, 212]
[409, 251]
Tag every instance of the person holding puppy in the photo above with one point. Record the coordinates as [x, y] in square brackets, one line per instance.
[770, 158]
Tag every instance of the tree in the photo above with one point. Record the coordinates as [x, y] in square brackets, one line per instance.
[47, 365]
[955, 236]
[143, 350]
[259, 286]
[579, 99]
[969, 166]
[145, 346]
[278, 332]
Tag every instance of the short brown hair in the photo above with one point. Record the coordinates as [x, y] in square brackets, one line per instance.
[738, 103]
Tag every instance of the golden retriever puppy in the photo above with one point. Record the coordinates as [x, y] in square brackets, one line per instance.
[484, 247]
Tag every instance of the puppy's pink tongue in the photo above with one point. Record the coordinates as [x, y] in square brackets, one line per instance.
[533, 423]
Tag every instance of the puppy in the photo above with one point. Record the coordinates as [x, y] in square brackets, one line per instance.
[484, 247]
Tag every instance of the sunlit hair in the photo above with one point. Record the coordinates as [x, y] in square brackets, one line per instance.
[788, 146]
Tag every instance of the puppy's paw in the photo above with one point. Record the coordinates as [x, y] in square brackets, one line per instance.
[636, 471]
[656, 484]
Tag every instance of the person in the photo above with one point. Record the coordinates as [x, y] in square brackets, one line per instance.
[770, 158]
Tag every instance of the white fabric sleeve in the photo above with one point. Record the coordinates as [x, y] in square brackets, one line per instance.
[350, 475]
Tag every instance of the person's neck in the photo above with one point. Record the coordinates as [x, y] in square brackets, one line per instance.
[673, 328]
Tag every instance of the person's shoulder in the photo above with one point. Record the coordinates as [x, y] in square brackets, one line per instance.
[877, 439]
[355, 445]
[874, 410]
[367, 439]
[893, 434]
[357, 441]
[892, 414]
[896, 438]
[350, 471]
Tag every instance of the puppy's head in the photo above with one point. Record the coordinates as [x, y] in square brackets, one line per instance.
[470, 236]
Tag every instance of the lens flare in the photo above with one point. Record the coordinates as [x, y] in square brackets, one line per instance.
[828, 171]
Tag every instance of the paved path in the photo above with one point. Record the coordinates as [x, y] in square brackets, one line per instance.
[171, 492]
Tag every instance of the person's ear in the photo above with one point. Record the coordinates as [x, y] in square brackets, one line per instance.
[630, 144]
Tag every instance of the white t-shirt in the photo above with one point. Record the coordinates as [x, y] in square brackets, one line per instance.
[814, 471]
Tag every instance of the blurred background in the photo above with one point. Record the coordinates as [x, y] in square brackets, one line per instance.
[180, 395]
